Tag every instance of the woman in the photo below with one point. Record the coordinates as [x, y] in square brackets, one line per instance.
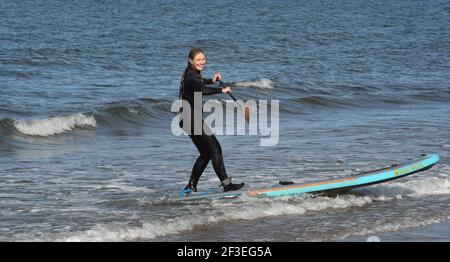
[206, 143]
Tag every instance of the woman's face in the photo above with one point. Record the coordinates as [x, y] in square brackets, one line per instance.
[198, 62]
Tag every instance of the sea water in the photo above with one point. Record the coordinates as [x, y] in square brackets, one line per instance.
[86, 87]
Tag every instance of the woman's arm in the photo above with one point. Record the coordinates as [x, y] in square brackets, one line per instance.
[217, 76]
[211, 90]
[208, 81]
[199, 86]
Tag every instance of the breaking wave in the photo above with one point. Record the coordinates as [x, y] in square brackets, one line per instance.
[53, 125]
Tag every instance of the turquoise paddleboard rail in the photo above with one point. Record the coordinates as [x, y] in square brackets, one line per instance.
[390, 173]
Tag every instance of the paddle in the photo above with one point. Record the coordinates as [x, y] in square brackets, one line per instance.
[246, 110]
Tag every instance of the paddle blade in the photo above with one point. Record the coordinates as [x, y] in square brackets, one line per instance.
[247, 110]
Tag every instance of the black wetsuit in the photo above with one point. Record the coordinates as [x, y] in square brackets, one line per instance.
[207, 145]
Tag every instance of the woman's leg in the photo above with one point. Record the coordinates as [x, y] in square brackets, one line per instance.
[217, 157]
[201, 162]
[219, 166]
[209, 149]
[197, 170]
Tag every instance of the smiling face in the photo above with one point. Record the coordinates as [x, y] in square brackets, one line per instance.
[198, 62]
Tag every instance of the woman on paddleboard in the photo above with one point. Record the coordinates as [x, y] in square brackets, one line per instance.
[206, 143]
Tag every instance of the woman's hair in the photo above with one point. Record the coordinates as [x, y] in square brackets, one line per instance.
[191, 56]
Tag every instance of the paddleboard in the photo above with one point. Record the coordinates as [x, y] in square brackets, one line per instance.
[327, 187]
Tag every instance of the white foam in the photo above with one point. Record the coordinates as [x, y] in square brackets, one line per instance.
[54, 125]
[413, 188]
[262, 83]
[132, 111]
[226, 211]
[248, 208]
[388, 227]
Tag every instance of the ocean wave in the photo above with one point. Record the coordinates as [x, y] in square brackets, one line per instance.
[250, 210]
[158, 107]
[139, 112]
[435, 96]
[298, 104]
[124, 109]
[428, 186]
[323, 101]
[53, 125]
[380, 227]
[254, 208]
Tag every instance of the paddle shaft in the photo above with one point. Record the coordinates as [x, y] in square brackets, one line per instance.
[223, 85]
[246, 110]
